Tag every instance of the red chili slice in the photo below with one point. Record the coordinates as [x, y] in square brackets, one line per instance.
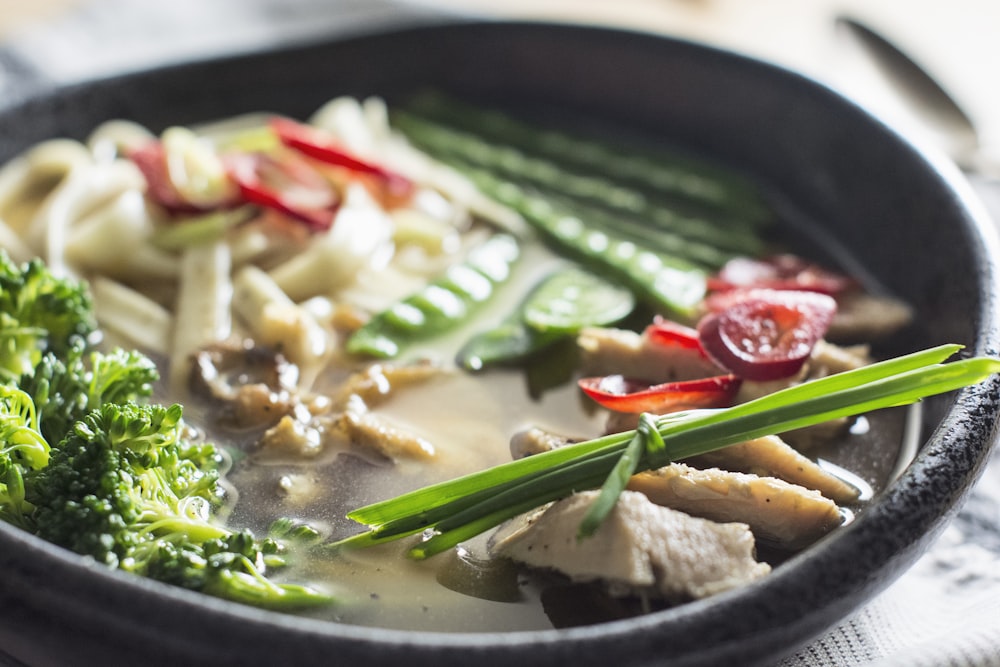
[314, 143]
[633, 396]
[152, 162]
[671, 334]
[769, 335]
[783, 272]
[286, 185]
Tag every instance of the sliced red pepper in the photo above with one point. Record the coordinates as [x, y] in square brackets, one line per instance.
[768, 335]
[782, 272]
[671, 334]
[151, 160]
[318, 145]
[633, 396]
[287, 185]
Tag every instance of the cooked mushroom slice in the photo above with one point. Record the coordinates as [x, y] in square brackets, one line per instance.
[640, 548]
[779, 513]
[622, 352]
[378, 382]
[347, 422]
[771, 456]
[357, 427]
[254, 385]
[291, 438]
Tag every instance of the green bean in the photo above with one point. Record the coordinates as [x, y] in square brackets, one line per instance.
[441, 305]
[675, 174]
[449, 144]
[669, 283]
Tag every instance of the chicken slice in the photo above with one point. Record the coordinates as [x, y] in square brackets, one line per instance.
[777, 512]
[862, 316]
[825, 359]
[771, 481]
[640, 548]
[770, 456]
[607, 351]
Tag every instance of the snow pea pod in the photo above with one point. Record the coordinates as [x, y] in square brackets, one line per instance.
[595, 190]
[663, 170]
[638, 231]
[670, 284]
[558, 307]
[571, 299]
[509, 342]
[441, 305]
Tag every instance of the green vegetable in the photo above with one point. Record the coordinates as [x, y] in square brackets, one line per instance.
[65, 389]
[22, 450]
[204, 228]
[462, 508]
[572, 299]
[639, 231]
[548, 177]
[673, 285]
[88, 466]
[121, 474]
[39, 312]
[509, 342]
[686, 179]
[562, 304]
[561, 186]
[126, 488]
[443, 304]
[646, 439]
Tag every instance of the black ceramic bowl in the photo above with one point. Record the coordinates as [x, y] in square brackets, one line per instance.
[906, 218]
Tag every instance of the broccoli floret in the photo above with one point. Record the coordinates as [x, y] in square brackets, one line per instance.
[117, 479]
[87, 464]
[65, 389]
[56, 387]
[232, 568]
[23, 450]
[39, 312]
[127, 488]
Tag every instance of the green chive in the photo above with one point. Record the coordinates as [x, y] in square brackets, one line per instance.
[459, 509]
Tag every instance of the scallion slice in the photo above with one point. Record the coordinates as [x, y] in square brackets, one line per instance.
[456, 510]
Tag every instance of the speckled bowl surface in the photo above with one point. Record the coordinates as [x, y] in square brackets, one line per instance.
[910, 220]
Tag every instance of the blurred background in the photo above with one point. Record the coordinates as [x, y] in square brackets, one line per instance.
[955, 42]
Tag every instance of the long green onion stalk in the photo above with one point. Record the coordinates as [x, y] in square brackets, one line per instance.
[453, 511]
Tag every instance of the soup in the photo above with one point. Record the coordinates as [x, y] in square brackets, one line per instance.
[344, 316]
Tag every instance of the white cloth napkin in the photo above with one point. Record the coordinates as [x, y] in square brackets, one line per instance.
[944, 611]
